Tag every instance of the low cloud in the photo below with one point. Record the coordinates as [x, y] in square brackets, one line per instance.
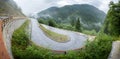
[32, 6]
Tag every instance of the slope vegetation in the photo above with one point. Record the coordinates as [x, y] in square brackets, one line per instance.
[90, 16]
[9, 7]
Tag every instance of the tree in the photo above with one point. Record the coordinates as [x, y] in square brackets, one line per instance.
[72, 22]
[119, 1]
[78, 25]
[41, 21]
[111, 4]
[112, 22]
[51, 23]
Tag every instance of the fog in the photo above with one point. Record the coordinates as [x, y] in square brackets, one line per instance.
[34, 6]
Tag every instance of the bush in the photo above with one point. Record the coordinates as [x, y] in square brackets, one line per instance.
[92, 32]
[66, 26]
[42, 21]
[52, 23]
[99, 48]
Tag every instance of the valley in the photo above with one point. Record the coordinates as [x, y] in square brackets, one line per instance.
[49, 30]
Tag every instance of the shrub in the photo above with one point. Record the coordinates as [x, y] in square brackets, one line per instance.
[52, 23]
[42, 21]
[92, 32]
[99, 48]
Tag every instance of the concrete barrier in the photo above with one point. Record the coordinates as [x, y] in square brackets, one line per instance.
[115, 52]
[3, 51]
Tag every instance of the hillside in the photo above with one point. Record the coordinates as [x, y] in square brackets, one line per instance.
[90, 17]
[9, 7]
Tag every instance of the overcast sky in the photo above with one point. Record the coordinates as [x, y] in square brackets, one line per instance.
[33, 6]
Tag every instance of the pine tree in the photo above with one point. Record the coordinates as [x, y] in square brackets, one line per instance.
[112, 23]
[111, 4]
[78, 25]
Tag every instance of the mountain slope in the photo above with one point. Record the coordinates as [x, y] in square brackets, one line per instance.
[9, 7]
[91, 17]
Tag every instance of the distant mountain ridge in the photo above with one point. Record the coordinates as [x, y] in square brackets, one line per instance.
[91, 17]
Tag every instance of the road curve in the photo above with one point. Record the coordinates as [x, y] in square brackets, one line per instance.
[77, 40]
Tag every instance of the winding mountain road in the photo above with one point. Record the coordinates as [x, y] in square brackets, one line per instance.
[77, 40]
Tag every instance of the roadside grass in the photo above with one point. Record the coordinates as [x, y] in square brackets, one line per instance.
[92, 32]
[54, 36]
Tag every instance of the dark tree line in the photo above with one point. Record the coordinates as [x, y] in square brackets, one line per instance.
[77, 24]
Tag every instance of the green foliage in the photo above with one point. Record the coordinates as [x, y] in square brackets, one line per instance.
[23, 48]
[66, 26]
[73, 22]
[20, 41]
[58, 25]
[78, 25]
[112, 22]
[35, 52]
[98, 49]
[92, 32]
[41, 21]
[20, 34]
[51, 23]
[111, 3]
[89, 15]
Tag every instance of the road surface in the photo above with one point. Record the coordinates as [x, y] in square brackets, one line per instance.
[77, 40]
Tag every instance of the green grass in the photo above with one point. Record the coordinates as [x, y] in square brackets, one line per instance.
[55, 36]
[92, 32]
